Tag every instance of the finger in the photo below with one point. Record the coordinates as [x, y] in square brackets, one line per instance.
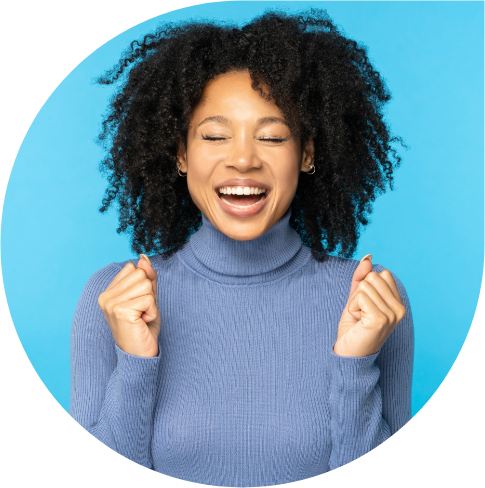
[135, 290]
[362, 270]
[385, 291]
[382, 286]
[130, 315]
[386, 275]
[131, 312]
[367, 289]
[125, 283]
[367, 335]
[145, 264]
[129, 268]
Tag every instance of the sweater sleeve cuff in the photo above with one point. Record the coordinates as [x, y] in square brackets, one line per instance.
[354, 373]
[136, 367]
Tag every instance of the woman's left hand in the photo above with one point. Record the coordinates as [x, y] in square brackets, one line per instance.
[373, 310]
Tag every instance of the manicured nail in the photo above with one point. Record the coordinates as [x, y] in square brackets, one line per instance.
[367, 256]
[146, 257]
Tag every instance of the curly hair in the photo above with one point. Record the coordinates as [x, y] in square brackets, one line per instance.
[322, 81]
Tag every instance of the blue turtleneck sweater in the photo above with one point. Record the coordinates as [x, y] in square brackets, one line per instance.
[246, 389]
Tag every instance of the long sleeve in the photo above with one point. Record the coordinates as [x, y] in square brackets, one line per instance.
[370, 397]
[112, 392]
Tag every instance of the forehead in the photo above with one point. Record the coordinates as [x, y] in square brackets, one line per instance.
[231, 94]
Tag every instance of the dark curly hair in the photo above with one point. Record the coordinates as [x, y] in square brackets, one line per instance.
[322, 81]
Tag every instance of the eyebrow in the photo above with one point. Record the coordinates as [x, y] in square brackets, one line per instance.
[220, 119]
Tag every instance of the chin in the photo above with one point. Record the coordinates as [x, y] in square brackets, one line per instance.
[243, 235]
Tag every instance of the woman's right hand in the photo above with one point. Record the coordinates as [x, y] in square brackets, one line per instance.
[130, 306]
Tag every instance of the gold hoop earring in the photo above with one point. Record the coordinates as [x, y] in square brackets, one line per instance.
[180, 174]
[313, 167]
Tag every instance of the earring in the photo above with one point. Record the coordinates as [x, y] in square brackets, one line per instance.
[311, 167]
[178, 171]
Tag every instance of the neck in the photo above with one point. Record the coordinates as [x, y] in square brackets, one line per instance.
[222, 258]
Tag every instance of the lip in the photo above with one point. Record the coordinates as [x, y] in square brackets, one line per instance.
[241, 212]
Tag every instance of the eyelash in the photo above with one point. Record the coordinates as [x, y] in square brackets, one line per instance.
[271, 139]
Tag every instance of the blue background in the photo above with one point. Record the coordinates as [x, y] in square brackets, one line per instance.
[429, 231]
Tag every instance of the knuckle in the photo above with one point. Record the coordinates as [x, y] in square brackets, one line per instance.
[392, 317]
[381, 321]
[387, 273]
[147, 285]
[108, 306]
[358, 294]
[371, 276]
[402, 312]
[363, 286]
[140, 274]
[116, 310]
[130, 266]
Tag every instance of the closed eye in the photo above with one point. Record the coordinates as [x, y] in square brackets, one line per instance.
[208, 138]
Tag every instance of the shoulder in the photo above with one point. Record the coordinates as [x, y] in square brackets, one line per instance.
[332, 267]
[337, 272]
[338, 269]
[100, 279]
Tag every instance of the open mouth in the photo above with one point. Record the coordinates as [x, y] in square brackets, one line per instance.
[241, 196]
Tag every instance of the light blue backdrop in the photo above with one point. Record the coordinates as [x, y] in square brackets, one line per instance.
[429, 231]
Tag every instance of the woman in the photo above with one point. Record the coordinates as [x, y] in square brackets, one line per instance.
[241, 353]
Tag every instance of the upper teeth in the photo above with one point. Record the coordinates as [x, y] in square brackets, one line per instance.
[241, 190]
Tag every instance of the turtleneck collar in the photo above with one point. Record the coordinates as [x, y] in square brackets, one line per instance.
[220, 258]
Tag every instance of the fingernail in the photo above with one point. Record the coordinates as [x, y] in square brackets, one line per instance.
[146, 257]
[367, 256]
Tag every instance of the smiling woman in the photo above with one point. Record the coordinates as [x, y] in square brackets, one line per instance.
[241, 352]
[334, 98]
[248, 137]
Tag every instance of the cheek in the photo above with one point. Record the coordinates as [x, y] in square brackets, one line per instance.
[201, 164]
[202, 159]
[286, 171]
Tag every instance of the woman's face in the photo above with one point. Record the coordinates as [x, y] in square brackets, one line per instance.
[239, 143]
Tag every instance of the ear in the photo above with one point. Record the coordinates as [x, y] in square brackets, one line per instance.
[308, 155]
[182, 157]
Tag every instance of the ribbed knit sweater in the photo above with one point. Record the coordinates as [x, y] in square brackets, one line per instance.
[246, 389]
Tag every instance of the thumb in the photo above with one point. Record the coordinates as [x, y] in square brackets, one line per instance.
[362, 270]
[146, 265]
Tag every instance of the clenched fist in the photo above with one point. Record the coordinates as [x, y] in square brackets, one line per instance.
[373, 310]
[130, 306]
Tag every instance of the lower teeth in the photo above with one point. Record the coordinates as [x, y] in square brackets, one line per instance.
[242, 206]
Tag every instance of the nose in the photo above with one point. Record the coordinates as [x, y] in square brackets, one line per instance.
[243, 155]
